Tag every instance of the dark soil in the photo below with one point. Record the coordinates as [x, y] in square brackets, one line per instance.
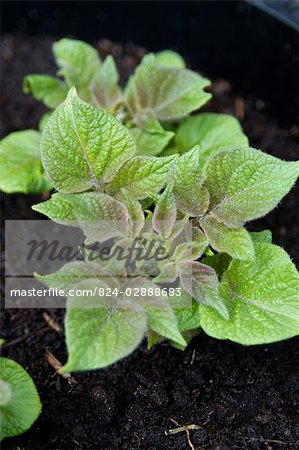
[241, 397]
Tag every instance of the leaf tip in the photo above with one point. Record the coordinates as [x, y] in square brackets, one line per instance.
[72, 93]
[37, 207]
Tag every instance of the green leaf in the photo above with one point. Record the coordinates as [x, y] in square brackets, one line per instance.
[20, 164]
[73, 273]
[83, 146]
[188, 318]
[46, 88]
[150, 136]
[164, 322]
[236, 242]
[191, 197]
[58, 208]
[101, 217]
[78, 63]
[166, 92]
[169, 58]
[100, 335]
[153, 339]
[202, 283]
[102, 330]
[262, 297]
[245, 184]
[19, 401]
[141, 175]
[160, 317]
[104, 89]
[165, 213]
[188, 336]
[264, 236]
[210, 131]
[151, 143]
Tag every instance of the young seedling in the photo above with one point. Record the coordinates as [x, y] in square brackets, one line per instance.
[134, 164]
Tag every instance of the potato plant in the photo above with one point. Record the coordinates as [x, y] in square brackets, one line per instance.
[136, 156]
